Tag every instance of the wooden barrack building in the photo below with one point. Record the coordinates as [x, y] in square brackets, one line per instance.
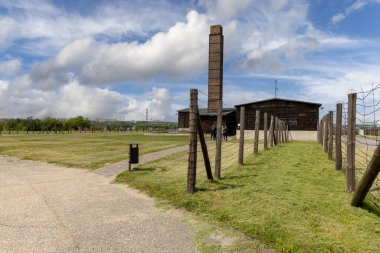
[299, 115]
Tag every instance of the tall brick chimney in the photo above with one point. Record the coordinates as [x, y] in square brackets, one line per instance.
[215, 68]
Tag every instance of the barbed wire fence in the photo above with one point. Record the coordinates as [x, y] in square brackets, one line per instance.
[359, 136]
[366, 151]
[232, 148]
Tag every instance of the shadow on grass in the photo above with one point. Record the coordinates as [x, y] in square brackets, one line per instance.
[370, 207]
[144, 169]
[242, 176]
[220, 187]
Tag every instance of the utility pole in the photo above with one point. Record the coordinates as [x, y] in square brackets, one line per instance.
[146, 115]
[275, 88]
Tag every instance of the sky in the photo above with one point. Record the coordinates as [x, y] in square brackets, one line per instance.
[110, 59]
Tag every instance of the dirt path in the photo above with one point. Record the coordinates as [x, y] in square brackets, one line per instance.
[47, 208]
[112, 170]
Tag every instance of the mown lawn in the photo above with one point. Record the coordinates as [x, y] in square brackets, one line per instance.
[289, 197]
[86, 150]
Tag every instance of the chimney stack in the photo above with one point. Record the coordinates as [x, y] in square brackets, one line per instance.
[215, 68]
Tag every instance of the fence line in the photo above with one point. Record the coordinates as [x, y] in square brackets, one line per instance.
[224, 153]
[356, 137]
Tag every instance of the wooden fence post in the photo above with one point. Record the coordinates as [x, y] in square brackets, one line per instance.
[330, 146]
[350, 171]
[286, 132]
[283, 131]
[338, 137]
[271, 131]
[368, 178]
[321, 131]
[242, 128]
[275, 131]
[278, 131]
[265, 130]
[192, 162]
[218, 151]
[325, 133]
[202, 140]
[257, 127]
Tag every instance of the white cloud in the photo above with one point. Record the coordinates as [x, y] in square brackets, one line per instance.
[46, 27]
[8, 32]
[356, 6]
[75, 99]
[224, 9]
[159, 106]
[10, 68]
[181, 51]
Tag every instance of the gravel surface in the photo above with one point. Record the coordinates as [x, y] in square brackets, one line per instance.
[46, 208]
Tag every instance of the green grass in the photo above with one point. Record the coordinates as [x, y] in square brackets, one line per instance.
[290, 198]
[373, 137]
[86, 150]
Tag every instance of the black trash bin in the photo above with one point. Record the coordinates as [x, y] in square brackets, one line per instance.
[133, 154]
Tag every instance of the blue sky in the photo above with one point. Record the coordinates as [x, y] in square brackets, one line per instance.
[115, 59]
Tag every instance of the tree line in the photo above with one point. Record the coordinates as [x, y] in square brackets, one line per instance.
[79, 123]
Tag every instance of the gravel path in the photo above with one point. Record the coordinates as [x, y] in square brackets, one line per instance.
[47, 208]
[112, 170]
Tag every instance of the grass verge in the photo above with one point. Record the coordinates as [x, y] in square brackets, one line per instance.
[290, 198]
[86, 150]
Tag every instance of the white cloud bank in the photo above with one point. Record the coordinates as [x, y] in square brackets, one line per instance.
[72, 99]
[127, 43]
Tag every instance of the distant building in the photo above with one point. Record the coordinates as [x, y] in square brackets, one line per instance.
[299, 115]
[208, 118]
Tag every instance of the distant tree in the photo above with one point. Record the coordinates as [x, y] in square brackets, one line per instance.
[78, 123]
[51, 124]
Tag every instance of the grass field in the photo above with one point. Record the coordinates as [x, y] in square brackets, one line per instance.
[86, 150]
[290, 198]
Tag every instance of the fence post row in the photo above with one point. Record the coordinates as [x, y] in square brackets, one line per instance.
[330, 144]
[218, 151]
[256, 141]
[242, 128]
[192, 162]
[338, 137]
[350, 171]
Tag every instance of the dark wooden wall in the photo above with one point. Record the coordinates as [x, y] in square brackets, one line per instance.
[299, 116]
[207, 121]
[183, 119]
